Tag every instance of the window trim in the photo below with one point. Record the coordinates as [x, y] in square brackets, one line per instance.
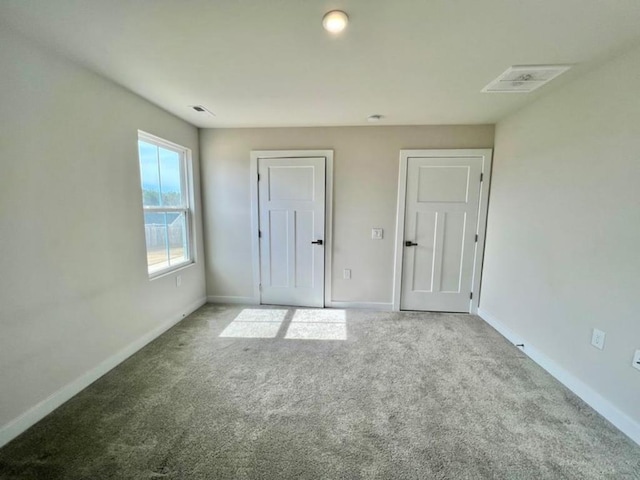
[189, 198]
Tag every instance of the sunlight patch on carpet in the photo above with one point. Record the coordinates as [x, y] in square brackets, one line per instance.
[254, 323]
[312, 324]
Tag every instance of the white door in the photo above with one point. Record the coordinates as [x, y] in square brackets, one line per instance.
[291, 202]
[441, 218]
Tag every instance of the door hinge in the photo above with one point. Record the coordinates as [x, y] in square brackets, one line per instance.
[258, 177]
[471, 296]
[260, 287]
[481, 176]
[476, 238]
[260, 234]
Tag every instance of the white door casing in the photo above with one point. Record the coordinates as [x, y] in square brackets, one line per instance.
[291, 208]
[441, 209]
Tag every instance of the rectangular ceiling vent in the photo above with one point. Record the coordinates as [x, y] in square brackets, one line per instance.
[524, 78]
[202, 109]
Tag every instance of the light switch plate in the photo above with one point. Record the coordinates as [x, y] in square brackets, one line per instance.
[346, 274]
[377, 233]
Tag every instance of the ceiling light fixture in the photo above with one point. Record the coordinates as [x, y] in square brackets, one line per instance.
[335, 21]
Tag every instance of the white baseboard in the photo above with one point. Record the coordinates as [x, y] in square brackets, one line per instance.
[604, 407]
[232, 300]
[384, 307]
[36, 413]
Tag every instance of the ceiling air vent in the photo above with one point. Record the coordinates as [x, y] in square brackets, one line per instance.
[201, 109]
[524, 78]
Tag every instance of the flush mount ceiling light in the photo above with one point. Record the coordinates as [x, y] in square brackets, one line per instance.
[335, 21]
[524, 78]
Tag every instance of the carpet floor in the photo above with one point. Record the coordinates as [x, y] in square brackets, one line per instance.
[276, 393]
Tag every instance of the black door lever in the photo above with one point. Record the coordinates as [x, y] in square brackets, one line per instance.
[317, 242]
[409, 243]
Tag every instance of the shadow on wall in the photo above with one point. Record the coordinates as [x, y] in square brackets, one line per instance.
[306, 324]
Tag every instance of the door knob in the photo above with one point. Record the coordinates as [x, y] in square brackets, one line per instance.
[317, 242]
[409, 243]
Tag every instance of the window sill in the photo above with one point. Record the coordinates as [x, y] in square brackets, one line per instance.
[169, 271]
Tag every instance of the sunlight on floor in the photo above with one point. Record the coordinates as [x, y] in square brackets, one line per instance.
[307, 324]
[254, 323]
[318, 325]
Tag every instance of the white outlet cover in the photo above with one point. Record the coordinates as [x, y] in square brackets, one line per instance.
[597, 338]
[636, 360]
[346, 274]
[377, 233]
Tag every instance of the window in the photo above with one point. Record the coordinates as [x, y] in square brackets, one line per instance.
[165, 199]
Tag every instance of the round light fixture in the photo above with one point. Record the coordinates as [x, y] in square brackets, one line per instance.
[335, 21]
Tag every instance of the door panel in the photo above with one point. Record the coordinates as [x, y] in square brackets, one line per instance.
[425, 229]
[441, 215]
[305, 267]
[291, 195]
[452, 251]
[442, 184]
[290, 183]
[278, 243]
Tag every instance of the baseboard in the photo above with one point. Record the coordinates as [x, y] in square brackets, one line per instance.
[232, 300]
[36, 413]
[384, 307]
[604, 407]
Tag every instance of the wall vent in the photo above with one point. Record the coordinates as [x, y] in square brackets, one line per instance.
[524, 78]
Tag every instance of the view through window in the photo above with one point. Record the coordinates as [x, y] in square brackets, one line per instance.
[165, 200]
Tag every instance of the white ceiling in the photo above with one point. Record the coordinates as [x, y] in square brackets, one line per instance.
[270, 63]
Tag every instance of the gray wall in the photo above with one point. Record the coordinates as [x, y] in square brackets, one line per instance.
[563, 236]
[366, 163]
[74, 288]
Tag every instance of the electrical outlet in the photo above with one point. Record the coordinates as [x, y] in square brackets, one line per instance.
[377, 233]
[597, 338]
[346, 274]
[636, 360]
[178, 280]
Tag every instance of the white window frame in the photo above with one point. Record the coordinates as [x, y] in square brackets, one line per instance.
[186, 174]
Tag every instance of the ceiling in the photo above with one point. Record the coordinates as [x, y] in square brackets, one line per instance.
[270, 63]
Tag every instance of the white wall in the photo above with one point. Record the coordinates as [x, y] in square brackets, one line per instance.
[74, 288]
[366, 162]
[563, 241]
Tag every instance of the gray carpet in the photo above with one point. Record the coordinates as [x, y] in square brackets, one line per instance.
[405, 396]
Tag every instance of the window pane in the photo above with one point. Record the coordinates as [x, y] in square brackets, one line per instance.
[170, 177]
[165, 197]
[149, 174]
[177, 228]
[155, 229]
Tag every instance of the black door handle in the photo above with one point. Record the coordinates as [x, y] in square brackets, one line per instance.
[409, 243]
[317, 242]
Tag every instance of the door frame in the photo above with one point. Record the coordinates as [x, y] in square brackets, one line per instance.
[255, 217]
[481, 228]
